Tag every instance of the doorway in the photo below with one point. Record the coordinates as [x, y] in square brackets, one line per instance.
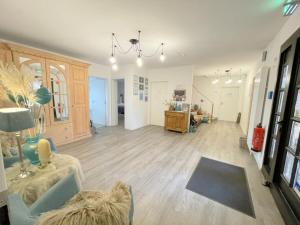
[228, 110]
[158, 98]
[97, 95]
[282, 158]
[121, 101]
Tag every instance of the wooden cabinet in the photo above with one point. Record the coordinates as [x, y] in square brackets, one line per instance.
[5, 53]
[67, 115]
[80, 106]
[176, 121]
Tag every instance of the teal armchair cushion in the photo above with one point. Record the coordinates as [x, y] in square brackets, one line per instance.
[21, 214]
[56, 197]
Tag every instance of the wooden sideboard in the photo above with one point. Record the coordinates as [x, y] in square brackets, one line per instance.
[67, 115]
[176, 121]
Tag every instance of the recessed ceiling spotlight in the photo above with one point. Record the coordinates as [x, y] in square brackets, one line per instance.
[229, 81]
[239, 81]
[215, 81]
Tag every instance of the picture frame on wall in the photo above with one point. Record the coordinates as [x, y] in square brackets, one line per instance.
[135, 85]
[141, 79]
[179, 95]
[141, 95]
[141, 87]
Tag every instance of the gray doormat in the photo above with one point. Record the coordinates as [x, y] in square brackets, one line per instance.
[224, 183]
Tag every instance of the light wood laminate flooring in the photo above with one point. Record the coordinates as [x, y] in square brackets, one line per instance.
[158, 164]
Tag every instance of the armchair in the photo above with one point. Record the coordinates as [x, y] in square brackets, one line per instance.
[20, 214]
[55, 198]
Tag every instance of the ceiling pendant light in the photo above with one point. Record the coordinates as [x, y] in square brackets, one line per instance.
[112, 57]
[229, 81]
[239, 81]
[139, 61]
[115, 67]
[135, 45]
[162, 56]
[215, 81]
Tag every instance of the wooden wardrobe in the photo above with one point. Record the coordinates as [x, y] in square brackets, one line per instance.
[67, 115]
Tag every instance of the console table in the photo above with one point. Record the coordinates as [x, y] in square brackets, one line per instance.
[176, 121]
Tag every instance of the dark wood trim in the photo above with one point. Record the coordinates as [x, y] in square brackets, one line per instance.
[283, 206]
[272, 169]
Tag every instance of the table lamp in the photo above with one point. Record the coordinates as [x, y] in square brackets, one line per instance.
[16, 120]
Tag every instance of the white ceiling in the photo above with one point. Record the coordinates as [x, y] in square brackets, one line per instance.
[208, 34]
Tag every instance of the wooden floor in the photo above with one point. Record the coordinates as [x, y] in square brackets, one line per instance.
[158, 165]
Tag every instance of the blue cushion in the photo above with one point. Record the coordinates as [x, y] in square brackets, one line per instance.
[18, 211]
[56, 196]
[9, 161]
[131, 210]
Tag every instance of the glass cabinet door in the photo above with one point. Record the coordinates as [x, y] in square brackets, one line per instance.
[58, 86]
[38, 66]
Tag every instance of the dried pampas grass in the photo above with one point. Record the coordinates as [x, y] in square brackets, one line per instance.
[17, 83]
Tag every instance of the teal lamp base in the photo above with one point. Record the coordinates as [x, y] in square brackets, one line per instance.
[30, 149]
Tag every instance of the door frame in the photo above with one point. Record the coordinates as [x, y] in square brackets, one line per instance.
[106, 96]
[237, 106]
[150, 100]
[272, 174]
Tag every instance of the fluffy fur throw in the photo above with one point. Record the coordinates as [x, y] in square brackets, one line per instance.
[92, 208]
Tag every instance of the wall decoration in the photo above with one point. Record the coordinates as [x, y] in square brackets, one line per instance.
[141, 79]
[141, 95]
[135, 85]
[146, 98]
[146, 81]
[179, 95]
[141, 87]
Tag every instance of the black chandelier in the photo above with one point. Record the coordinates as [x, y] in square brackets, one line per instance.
[136, 47]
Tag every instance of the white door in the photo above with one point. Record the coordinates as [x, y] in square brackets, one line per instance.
[158, 98]
[229, 103]
[97, 91]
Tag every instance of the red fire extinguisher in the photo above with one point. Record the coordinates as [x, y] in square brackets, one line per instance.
[258, 138]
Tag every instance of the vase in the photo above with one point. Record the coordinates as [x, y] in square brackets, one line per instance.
[30, 149]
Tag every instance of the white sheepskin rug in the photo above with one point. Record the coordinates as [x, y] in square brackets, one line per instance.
[92, 208]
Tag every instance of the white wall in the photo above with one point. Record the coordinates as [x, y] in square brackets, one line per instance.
[272, 61]
[177, 78]
[247, 101]
[213, 92]
[136, 111]
[104, 72]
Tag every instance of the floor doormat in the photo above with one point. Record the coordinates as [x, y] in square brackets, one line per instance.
[224, 183]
